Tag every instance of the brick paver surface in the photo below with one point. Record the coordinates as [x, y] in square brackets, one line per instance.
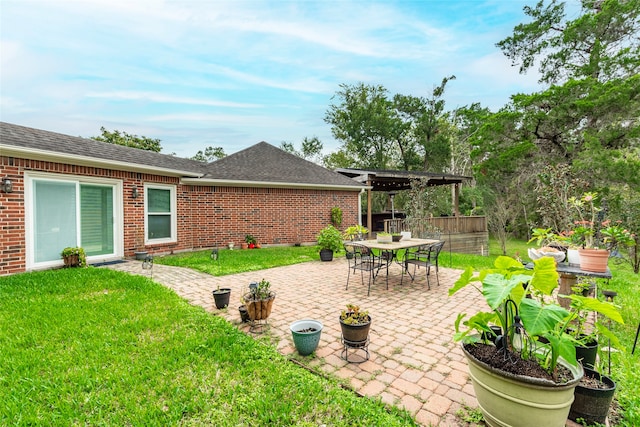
[414, 364]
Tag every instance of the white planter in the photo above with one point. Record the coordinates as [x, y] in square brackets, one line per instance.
[384, 238]
[573, 257]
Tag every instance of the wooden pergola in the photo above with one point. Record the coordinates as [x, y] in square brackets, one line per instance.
[397, 180]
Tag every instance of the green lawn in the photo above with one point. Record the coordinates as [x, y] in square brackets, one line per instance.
[99, 347]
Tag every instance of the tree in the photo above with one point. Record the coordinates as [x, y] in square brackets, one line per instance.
[602, 43]
[128, 140]
[436, 148]
[310, 149]
[589, 114]
[362, 120]
[210, 154]
[402, 132]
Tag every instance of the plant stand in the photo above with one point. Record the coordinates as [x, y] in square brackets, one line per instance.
[359, 349]
[258, 326]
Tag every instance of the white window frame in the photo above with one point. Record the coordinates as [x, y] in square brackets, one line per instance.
[173, 214]
[118, 220]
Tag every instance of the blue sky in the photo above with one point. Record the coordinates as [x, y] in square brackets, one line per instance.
[234, 73]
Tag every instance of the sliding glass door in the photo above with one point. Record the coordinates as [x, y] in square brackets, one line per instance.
[71, 212]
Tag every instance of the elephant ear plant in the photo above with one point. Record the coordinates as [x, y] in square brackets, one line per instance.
[531, 325]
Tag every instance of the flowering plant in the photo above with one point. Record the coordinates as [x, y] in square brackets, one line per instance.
[585, 228]
[616, 235]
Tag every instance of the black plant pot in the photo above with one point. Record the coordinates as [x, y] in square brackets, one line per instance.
[592, 404]
[244, 313]
[355, 333]
[221, 297]
[587, 353]
[326, 255]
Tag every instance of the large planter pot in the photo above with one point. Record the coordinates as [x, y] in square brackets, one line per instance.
[71, 260]
[221, 297]
[594, 260]
[592, 404]
[355, 333]
[587, 353]
[306, 335]
[260, 309]
[573, 257]
[141, 255]
[514, 400]
[326, 255]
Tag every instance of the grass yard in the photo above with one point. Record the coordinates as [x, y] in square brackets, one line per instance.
[98, 347]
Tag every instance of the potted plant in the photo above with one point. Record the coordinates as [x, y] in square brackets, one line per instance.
[355, 324]
[74, 257]
[594, 393]
[141, 253]
[249, 242]
[259, 301]
[384, 237]
[586, 341]
[221, 297]
[306, 335]
[528, 377]
[355, 232]
[593, 256]
[330, 241]
[244, 313]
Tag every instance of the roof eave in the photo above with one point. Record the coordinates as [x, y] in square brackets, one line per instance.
[44, 155]
[268, 184]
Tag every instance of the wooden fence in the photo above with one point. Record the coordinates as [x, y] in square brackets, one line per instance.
[463, 234]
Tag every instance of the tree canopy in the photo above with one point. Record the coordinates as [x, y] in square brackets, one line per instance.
[128, 140]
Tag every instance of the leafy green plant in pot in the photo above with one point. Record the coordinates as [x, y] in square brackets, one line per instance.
[528, 377]
[259, 301]
[355, 324]
[355, 232]
[594, 393]
[74, 257]
[330, 241]
[586, 341]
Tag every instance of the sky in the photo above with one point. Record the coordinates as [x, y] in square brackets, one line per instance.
[233, 73]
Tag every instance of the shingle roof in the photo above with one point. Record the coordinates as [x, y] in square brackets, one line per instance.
[260, 163]
[52, 142]
[265, 163]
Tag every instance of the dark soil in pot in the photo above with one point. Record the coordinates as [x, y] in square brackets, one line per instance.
[514, 364]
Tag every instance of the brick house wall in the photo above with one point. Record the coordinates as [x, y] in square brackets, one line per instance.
[207, 216]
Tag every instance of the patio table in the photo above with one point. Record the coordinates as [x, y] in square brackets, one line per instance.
[392, 248]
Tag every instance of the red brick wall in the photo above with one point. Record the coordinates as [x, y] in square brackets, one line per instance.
[207, 216]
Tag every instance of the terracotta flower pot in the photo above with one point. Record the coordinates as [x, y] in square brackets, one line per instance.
[594, 260]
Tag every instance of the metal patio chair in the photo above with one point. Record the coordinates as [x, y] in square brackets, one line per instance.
[427, 257]
[360, 257]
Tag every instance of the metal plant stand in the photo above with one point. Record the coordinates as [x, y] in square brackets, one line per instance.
[258, 326]
[359, 350]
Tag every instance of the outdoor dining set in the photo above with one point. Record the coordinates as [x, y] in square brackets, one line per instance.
[372, 256]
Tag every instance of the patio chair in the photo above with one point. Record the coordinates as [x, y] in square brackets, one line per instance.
[427, 257]
[360, 257]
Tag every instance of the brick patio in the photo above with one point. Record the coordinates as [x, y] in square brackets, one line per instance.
[413, 362]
